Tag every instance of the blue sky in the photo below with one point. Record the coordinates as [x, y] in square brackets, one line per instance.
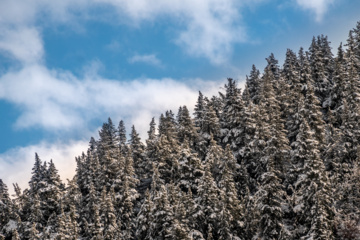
[66, 66]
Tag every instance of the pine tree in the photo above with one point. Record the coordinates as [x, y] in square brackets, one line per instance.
[189, 170]
[322, 81]
[138, 154]
[208, 201]
[274, 134]
[144, 217]
[126, 210]
[151, 147]
[164, 151]
[210, 129]
[5, 205]
[231, 118]
[273, 67]
[253, 84]
[122, 137]
[338, 90]
[269, 202]
[186, 129]
[199, 111]
[38, 174]
[96, 227]
[108, 215]
[163, 216]
[52, 194]
[232, 221]
[314, 116]
[313, 206]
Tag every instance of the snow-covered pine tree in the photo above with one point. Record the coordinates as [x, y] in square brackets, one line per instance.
[162, 214]
[138, 154]
[253, 84]
[322, 82]
[273, 130]
[165, 151]
[210, 129]
[189, 169]
[199, 111]
[144, 217]
[185, 127]
[208, 198]
[108, 215]
[313, 205]
[5, 205]
[122, 137]
[232, 116]
[269, 204]
[232, 219]
[9, 218]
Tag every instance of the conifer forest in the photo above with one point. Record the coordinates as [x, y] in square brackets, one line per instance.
[278, 159]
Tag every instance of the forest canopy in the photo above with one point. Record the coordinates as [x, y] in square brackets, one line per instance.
[276, 160]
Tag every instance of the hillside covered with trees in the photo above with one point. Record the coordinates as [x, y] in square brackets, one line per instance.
[276, 160]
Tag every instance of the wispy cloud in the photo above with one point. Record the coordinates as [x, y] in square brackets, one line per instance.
[204, 28]
[148, 59]
[57, 100]
[22, 43]
[113, 46]
[209, 28]
[319, 7]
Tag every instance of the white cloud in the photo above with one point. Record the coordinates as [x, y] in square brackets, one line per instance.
[148, 59]
[22, 43]
[57, 100]
[16, 164]
[204, 28]
[210, 27]
[319, 7]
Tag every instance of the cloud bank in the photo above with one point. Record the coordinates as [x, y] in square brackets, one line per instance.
[57, 100]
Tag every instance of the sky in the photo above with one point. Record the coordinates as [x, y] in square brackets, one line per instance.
[66, 66]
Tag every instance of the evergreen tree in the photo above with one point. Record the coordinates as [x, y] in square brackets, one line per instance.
[144, 217]
[313, 206]
[97, 227]
[186, 129]
[122, 137]
[163, 216]
[253, 84]
[269, 202]
[274, 134]
[108, 215]
[138, 154]
[210, 129]
[189, 170]
[322, 81]
[5, 205]
[199, 111]
[208, 198]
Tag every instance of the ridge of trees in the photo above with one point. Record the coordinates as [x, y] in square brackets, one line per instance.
[278, 160]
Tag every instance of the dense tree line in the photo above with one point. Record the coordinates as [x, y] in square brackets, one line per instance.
[278, 160]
